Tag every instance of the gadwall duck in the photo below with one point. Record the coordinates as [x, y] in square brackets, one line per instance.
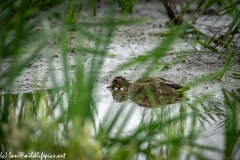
[154, 84]
[144, 91]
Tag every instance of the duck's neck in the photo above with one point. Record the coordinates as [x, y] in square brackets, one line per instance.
[125, 85]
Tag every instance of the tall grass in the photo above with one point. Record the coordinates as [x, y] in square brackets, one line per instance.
[73, 134]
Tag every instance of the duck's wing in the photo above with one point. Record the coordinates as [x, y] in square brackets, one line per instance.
[157, 80]
[169, 83]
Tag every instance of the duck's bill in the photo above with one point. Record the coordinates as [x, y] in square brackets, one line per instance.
[110, 86]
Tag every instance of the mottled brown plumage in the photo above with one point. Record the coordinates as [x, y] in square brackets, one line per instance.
[146, 91]
[156, 85]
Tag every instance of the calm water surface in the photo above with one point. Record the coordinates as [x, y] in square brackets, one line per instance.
[212, 115]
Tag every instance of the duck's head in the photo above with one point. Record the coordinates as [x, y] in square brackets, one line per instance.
[119, 82]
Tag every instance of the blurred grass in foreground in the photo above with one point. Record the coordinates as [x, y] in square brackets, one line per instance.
[24, 125]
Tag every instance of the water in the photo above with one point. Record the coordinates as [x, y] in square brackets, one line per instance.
[212, 114]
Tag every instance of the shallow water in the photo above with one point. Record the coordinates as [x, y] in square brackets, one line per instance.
[210, 120]
[130, 42]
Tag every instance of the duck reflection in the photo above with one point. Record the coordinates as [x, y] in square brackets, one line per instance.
[118, 95]
[146, 92]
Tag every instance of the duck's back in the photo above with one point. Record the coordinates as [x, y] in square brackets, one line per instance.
[157, 85]
[169, 83]
[160, 80]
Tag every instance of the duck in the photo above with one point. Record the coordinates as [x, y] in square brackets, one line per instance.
[145, 90]
[155, 85]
